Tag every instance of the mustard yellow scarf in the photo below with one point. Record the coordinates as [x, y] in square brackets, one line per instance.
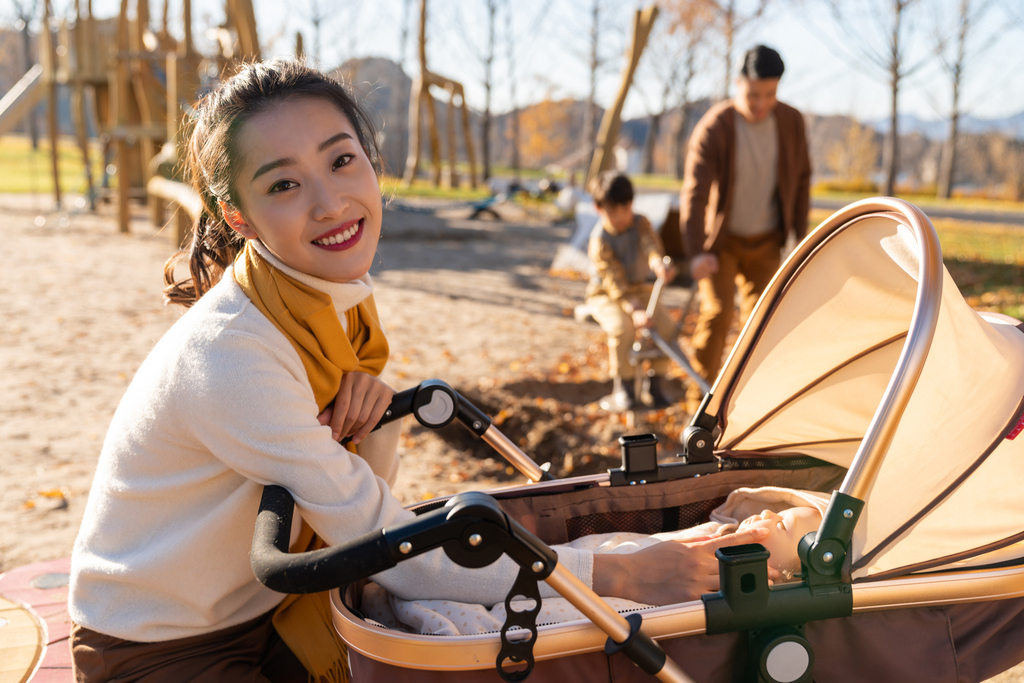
[307, 317]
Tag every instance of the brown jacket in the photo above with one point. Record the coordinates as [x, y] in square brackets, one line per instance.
[706, 195]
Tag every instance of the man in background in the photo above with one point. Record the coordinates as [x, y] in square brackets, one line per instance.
[746, 189]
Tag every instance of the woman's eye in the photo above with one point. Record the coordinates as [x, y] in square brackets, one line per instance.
[282, 185]
[343, 160]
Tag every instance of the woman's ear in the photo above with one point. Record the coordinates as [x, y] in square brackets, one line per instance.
[233, 217]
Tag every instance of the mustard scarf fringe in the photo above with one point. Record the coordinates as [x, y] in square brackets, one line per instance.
[307, 317]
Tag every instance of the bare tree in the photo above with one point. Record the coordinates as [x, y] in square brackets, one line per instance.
[731, 20]
[320, 14]
[664, 64]
[510, 44]
[890, 60]
[955, 55]
[525, 38]
[485, 56]
[593, 64]
[690, 23]
[404, 39]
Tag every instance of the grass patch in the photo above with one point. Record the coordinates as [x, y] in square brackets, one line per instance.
[392, 187]
[930, 200]
[23, 169]
[985, 261]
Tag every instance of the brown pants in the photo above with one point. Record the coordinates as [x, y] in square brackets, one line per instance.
[749, 263]
[250, 652]
[618, 325]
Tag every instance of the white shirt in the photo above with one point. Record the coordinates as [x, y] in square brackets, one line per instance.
[221, 407]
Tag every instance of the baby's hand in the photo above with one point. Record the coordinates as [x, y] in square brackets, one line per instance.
[359, 406]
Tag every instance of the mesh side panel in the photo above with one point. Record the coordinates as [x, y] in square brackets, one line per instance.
[642, 521]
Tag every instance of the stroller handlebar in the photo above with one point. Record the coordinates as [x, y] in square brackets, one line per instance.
[435, 404]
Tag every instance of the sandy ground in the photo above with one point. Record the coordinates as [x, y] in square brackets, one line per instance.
[469, 302]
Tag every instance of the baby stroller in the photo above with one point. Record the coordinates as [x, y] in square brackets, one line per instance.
[861, 372]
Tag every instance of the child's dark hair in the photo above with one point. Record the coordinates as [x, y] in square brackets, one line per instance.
[612, 188]
[761, 61]
[212, 160]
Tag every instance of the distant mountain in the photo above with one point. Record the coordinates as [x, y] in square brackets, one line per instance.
[937, 129]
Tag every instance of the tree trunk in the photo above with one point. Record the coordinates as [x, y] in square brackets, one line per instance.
[945, 184]
[485, 122]
[894, 80]
[33, 129]
[650, 140]
[679, 142]
[894, 137]
[589, 119]
[514, 113]
[728, 29]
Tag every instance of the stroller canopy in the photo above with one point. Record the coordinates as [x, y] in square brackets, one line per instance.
[828, 336]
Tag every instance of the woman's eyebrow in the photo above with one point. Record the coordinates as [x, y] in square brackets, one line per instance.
[331, 140]
[265, 168]
[277, 163]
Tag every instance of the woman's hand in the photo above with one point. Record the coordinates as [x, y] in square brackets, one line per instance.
[668, 572]
[359, 406]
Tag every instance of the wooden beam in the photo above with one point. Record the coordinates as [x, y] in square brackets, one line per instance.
[48, 49]
[643, 21]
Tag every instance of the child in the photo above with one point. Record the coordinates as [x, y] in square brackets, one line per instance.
[624, 250]
[276, 359]
[789, 515]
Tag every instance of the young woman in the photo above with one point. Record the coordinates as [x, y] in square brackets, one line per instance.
[275, 360]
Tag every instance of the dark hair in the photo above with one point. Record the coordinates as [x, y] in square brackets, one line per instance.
[761, 61]
[612, 188]
[212, 160]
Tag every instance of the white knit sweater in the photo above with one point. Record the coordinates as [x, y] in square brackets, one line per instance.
[221, 407]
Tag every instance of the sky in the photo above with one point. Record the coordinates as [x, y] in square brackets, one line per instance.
[828, 67]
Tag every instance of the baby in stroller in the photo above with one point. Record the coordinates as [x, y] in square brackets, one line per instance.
[788, 514]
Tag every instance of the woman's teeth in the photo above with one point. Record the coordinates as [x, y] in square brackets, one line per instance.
[340, 237]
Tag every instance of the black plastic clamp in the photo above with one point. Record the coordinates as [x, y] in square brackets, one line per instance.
[639, 647]
[519, 650]
[640, 463]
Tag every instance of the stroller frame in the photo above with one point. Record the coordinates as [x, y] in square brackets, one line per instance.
[824, 555]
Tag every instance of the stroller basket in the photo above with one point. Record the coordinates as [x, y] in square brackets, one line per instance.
[861, 372]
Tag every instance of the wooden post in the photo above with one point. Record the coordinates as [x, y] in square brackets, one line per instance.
[643, 20]
[49, 55]
[182, 85]
[466, 133]
[119, 104]
[412, 158]
[79, 64]
[453, 174]
[435, 143]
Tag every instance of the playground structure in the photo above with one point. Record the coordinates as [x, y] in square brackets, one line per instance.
[142, 82]
[608, 134]
[421, 99]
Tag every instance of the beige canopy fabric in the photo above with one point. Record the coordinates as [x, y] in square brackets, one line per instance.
[949, 490]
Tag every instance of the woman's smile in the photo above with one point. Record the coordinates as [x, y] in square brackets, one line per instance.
[343, 237]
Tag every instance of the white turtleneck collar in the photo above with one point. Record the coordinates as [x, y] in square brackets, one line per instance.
[345, 295]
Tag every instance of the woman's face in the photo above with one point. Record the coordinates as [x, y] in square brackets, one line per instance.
[307, 189]
[785, 529]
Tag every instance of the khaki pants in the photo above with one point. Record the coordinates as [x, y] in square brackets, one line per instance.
[749, 263]
[618, 325]
[250, 652]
